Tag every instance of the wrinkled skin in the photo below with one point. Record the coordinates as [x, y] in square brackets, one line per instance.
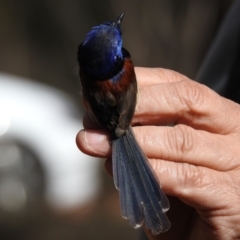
[196, 157]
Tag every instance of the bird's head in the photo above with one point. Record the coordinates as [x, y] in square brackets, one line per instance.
[100, 54]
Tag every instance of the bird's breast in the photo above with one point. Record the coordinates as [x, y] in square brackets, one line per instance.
[120, 82]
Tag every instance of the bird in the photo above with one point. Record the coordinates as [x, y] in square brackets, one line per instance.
[109, 87]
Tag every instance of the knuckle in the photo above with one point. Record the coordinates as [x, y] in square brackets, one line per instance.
[203, 180]
[192, 94]
[192, 177]
[183, 140]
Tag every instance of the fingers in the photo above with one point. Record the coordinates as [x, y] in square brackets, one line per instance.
[149, 76]
[185, 144]
[194, 185]
[177, 144]
[95, 143]
[186, 102]
[197, 160]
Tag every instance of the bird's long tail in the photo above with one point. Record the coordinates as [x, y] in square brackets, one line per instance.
[141, 198]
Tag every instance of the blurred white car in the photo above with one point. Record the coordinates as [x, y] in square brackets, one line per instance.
[38, 153]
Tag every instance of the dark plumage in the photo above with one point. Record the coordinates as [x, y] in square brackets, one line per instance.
[110, 88]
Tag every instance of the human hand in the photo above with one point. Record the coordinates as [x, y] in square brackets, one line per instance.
[197, 160]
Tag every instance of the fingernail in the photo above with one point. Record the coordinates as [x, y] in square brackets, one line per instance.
[93, 138]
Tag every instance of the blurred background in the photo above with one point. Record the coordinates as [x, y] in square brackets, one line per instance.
[48, 189]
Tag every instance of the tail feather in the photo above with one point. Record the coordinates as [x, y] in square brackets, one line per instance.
[141, 197]
[152, 178]
[128, 201]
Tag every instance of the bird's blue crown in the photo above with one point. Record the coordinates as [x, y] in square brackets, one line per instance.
[100, 54]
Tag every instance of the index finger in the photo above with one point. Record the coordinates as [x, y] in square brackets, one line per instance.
[189, 103]
[150, 76]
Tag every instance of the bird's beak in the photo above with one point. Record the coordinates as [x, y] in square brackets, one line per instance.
[119, 20]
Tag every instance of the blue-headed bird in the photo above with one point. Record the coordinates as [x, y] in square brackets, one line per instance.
[109, 87]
